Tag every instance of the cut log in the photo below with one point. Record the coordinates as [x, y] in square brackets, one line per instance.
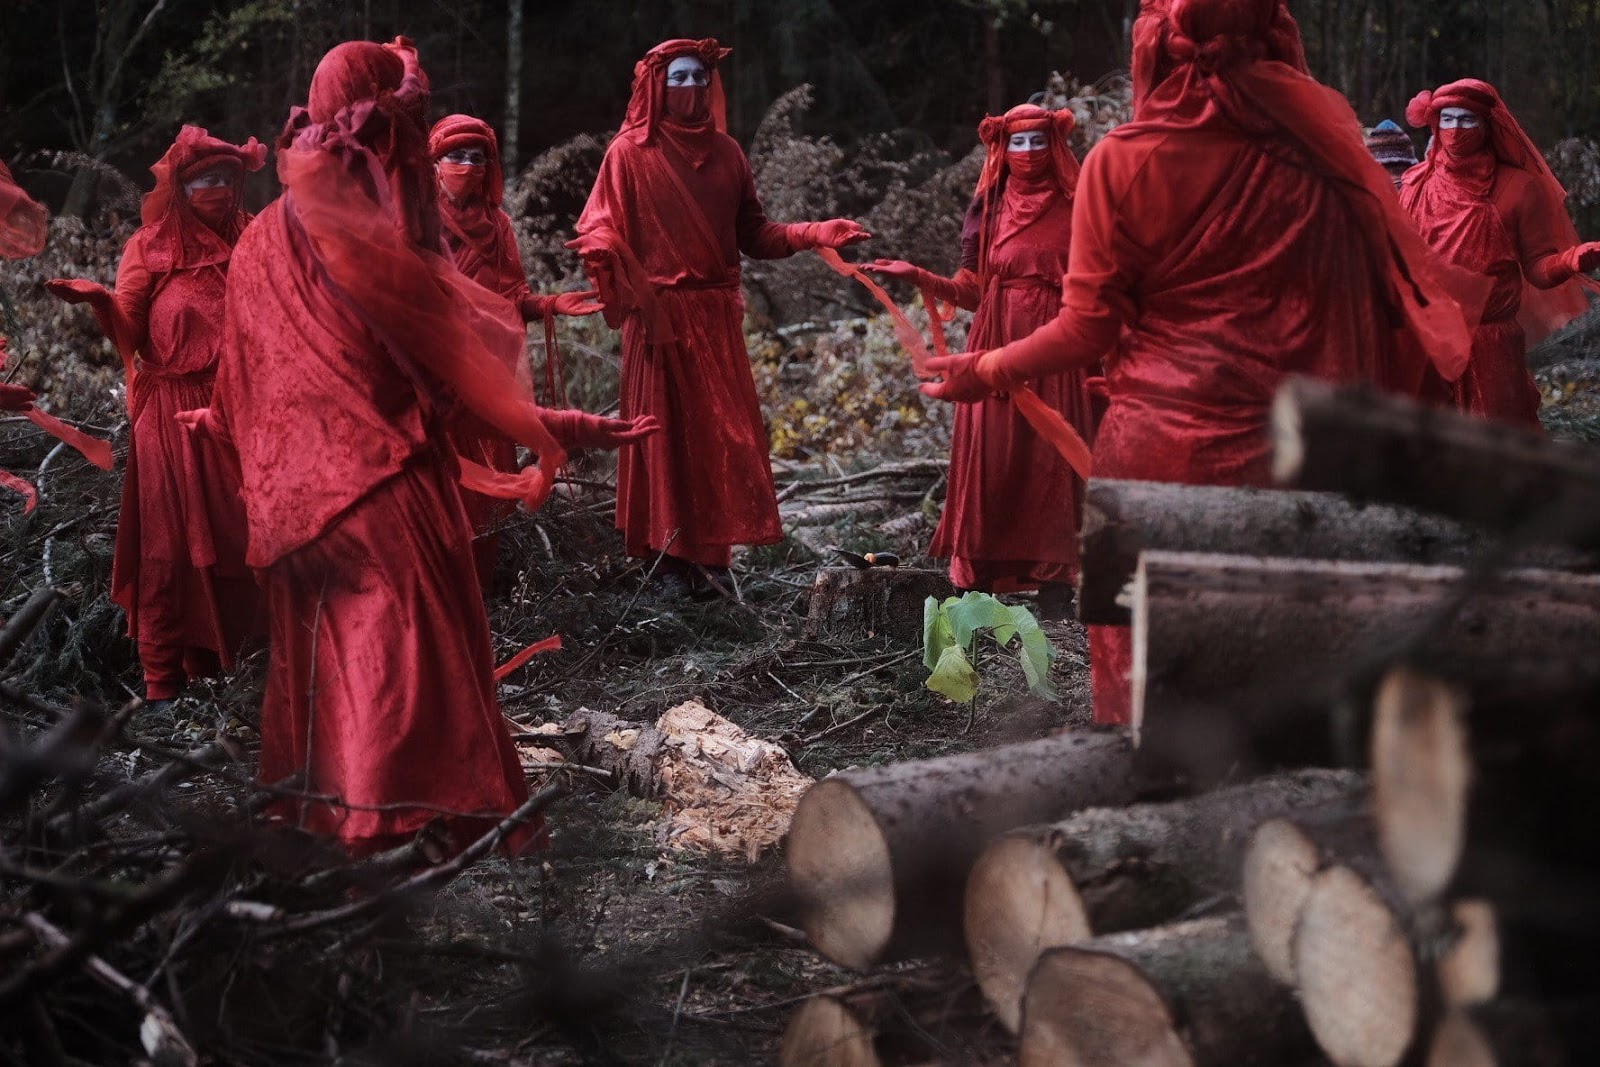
[1356, 972]
[1110, 869]
[1377, 447]
[1421, 771]
[849, 603]
[1123, 519]
[1469, 967]
[1187, 995]
[878, 856]
[1281, 863]
[1275, 634]
[631, 751]
[824, 1032]
[900, 1017]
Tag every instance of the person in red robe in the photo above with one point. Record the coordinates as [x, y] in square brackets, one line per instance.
[350, 337]
[179, 571]
[1013, 256]
[1235, 232]
[673, 208]
[478, 233]
[1485, 198]
[24, 226]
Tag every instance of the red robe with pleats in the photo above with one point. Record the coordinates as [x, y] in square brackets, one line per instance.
[1011, 514]
[681, 201]
[348, 332]
[179, 571]
[1281, 251]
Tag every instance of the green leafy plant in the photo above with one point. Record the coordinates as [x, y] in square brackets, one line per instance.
[950, 639]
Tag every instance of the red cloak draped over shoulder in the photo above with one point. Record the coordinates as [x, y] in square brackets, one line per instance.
[179, 570]
[24, 222]
[1500, 213]
[349, 336]
[1011, 515]
[1234, 233]
[672, 209]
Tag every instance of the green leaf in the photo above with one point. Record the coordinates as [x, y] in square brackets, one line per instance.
[1035, 656]
[936, 635]
[954, 677]
[975, 612]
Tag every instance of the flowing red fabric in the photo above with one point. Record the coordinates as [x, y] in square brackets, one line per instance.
[1283, 251]
[1501, 214]
[549, 644]
[349, 335]
[24, 222]
[179, 570]
[1011, 514]
[671, 211]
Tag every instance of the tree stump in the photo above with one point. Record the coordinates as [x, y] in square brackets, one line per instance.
[849, 603]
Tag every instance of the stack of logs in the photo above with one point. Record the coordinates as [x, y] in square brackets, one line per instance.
[1346, 825]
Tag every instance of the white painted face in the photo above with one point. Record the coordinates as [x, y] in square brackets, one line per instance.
[472, 157]
[1459, 118]
[1027, 141]
[211, 179]
[687, 71]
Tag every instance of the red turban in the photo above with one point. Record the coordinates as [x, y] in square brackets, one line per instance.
[178, 239]
[996, 132]
[464, 131]
[650, 85]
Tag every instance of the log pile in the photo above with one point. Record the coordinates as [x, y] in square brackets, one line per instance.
[1344, 826]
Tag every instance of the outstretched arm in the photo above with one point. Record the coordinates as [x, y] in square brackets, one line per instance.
[761, 238]
[961, 290]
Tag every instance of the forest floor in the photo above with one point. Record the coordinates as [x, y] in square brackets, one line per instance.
[614, 946]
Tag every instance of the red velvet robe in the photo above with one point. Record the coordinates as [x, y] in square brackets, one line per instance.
[346, 334]
[686, 207]
[1011, 514]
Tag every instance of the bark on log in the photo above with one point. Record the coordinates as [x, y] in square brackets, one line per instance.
[1356, 971]
[878, 856]
[1188, 995]
[1110, 869]
[1123, 519]
[1284, 635]
[851, 603]
[633, 767]
[1377, 447]
[1421, 770]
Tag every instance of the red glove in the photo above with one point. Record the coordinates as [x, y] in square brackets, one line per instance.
[835, 233]
[15, 397]
[579, 429]
[1586, 257]
[896, 268]
[78, 291]
[577, 304]
[961, 384]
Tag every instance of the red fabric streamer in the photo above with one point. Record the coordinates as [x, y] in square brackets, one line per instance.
[93, 449]
[30, 495]
[1495, 209]
[910, 339]
[672, 210]
[24, 222]
[350, 335]
[549, 644]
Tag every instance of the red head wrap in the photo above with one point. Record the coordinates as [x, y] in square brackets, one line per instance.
[995, 133]
[1213, 34]
[178, 237]
[648, 103]
[464, 131]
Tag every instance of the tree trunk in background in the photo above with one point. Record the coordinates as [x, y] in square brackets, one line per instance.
[508, 136]
[992, 64]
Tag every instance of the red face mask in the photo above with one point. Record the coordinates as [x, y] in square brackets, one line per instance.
[688, 103]
[1028, 165]
[460, 181]
[1461, 143]
[212, 205]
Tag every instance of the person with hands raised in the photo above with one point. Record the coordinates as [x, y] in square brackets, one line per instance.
[673, 209]
[1014, 250]
[1234, 233]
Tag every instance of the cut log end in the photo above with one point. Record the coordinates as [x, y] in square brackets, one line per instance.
[1019, 904]
[842, 875]
[1421, 770]
[1469, 970]
[1288, 445]
[1356, 972]
[1092, 1009]
[1459, 1043]
[826, 1033]
[1279, 867]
